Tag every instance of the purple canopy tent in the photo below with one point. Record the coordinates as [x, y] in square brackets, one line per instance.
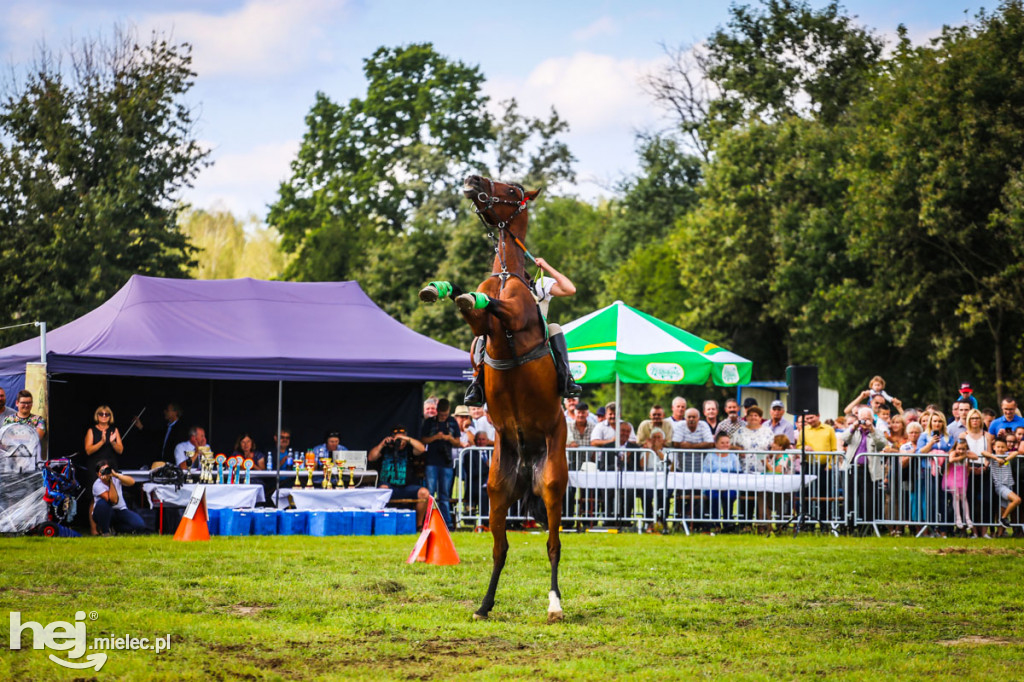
[241, 329]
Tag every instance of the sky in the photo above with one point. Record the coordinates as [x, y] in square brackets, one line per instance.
[260, 63]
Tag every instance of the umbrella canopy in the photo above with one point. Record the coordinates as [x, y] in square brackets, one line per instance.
[625, 343]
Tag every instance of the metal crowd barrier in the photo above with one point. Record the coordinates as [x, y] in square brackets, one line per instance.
[628, 489]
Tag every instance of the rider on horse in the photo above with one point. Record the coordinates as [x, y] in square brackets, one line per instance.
[543, 289]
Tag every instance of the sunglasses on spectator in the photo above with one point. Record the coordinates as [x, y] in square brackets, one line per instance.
[103, 414]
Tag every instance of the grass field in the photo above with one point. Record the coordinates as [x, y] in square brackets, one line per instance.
[638, 607]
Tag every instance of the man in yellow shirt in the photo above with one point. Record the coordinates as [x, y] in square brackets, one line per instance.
[822, 492]
[820, 438]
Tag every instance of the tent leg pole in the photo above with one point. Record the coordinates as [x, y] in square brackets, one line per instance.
[277, 444]
[209, 417]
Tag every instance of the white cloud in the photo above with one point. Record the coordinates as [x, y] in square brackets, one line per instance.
[244, 182]
[261, 37]
[22, 29]
[592, 92]
[601, 27]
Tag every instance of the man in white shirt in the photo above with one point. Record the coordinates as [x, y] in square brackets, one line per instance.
[603, 435]
[482, 423]
[186, 453]
[678, 419]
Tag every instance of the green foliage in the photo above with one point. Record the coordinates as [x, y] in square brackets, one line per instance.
[92, 159]
[366, 168]
[855, 212]
[227, 248]
[935, 186]
[789, 59]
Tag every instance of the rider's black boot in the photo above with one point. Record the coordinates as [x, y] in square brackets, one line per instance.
[475, 390]
[566, 384]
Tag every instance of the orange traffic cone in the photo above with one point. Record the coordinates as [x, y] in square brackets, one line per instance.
[434, 545]
[194, 528]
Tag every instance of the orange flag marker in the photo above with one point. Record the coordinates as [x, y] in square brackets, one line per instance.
[434, 546]
[194, 522]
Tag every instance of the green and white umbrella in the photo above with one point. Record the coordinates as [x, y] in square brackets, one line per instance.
[620, 343]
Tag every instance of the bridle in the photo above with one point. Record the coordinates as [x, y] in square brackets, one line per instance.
[485, 212]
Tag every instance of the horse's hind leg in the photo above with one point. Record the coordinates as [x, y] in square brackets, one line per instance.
[499, 511]
[500, 489]
[556, 477]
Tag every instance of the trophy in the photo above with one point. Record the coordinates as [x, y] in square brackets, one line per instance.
[310, 467]
[189, 454]
[221, 458]
[247, 465]
[205, 469]
[325, 462]
[298, 467]
[352, 477]
[206, 461]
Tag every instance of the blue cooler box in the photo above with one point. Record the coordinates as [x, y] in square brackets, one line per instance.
[325, 522]
[265, 522]
[347, 518]
[236, 522]
[385, 522]
[293, 522]
[362, 522]
[213, 520]
[406, 522]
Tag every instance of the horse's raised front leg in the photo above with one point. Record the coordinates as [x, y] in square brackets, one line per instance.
[439, 289]
[509, 311]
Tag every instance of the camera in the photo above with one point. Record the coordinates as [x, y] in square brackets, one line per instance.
[107, 470]
[935, 434]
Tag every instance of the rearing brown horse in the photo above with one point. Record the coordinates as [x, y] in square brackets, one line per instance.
[520, 383]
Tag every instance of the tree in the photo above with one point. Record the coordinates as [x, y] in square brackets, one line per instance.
[92, 160]
[789, 60]
[365, 169]
[935, 197]
[227, 248]
[374, 192]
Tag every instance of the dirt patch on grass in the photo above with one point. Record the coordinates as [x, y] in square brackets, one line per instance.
[974, 640]
[990, 551]
[246, 609]
[384, 587]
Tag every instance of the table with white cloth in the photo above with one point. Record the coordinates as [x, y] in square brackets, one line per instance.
[239, 496]
[337, 498]
[655, 480]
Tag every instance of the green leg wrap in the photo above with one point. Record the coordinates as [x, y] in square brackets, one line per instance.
[481, 300]
[443, 288]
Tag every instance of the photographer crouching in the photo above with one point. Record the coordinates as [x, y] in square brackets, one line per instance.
[396, 452]
[110, 508]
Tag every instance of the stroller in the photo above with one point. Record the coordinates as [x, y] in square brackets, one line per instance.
[61, 501]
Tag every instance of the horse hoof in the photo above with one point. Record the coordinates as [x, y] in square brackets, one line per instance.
[428, 294]
[465, 302]
[554, 616]
[479, 616]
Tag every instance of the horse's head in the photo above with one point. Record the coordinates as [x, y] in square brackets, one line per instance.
[498, 204]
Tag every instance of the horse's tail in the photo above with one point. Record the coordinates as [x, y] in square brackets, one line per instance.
[534, 506]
